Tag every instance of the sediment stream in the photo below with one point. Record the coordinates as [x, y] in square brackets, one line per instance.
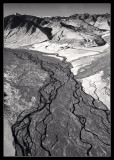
[66, 121]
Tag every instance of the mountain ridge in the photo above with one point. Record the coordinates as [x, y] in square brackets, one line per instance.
[48, 26]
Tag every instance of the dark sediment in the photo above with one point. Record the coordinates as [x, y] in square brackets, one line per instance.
[66, 121]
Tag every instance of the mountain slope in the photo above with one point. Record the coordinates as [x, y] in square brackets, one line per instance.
[41, 29]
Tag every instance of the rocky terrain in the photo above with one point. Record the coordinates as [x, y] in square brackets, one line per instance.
[81, 30]
[57, 85]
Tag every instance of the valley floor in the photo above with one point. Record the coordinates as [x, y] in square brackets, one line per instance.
[51, 115]
[88, 64]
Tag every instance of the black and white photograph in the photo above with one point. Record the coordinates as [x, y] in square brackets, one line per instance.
[56, 80]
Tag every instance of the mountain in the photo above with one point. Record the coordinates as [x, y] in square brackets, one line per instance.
[57, 85]
[86, 29]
